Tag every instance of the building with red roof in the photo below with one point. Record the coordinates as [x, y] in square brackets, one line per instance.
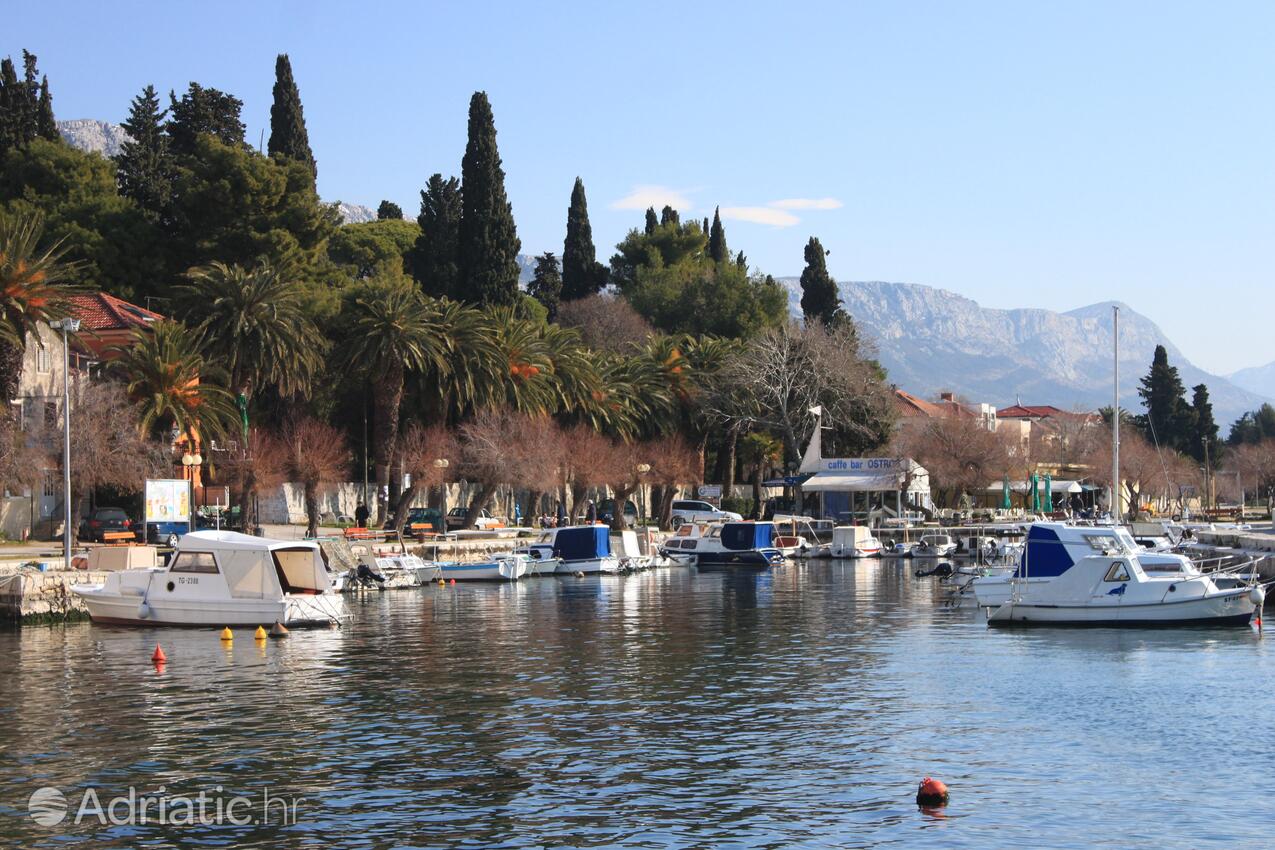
[107, 321]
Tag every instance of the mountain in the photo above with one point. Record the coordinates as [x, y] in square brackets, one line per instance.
[89, 134]
[1256, 379]
[355, 213]
[931, 340]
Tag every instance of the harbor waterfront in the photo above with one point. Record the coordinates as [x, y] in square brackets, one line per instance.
[797, 706]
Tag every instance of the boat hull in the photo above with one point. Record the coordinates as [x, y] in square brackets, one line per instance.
[753, 559]
[609, 564]
[1226, 609]
[510, 569]
[127, 611]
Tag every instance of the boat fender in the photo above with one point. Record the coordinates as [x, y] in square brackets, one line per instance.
[931, 793]
[1257, 596]
[143, 611]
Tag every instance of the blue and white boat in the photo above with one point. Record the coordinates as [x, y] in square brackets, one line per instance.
[506, 567]
[1098, 576]
[727, 544]
[575, 548]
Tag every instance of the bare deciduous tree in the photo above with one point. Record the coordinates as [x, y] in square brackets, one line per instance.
[314, 454]
[254, 466]
[959, 453]
[605, 322]
[422, 450]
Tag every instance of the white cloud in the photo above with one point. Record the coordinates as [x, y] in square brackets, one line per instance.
[760, 215]
[806, 204]
[654, 196]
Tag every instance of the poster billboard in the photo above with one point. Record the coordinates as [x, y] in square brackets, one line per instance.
[167, 500]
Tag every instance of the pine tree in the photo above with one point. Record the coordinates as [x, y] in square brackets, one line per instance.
[46, 126]
[202, 110]
[652, 221]
[488, 237]
[582, 274]
[717, 239]
[1204, 436]
[668, 215]
[435, 258]
[144, 166]
[1168, 421]
[389, 210]
[288, 135]
[705, 227]
[820, 300]
[741, 261]
[547, 284]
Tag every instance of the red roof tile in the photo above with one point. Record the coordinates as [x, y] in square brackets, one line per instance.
[102, 312]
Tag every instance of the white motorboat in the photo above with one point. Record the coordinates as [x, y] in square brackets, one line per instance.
[576, 548]
[389, 572]
[221, 578]
[854, 541]
[505, 567]
[728, 544]
[934, 546]
[1098, 576]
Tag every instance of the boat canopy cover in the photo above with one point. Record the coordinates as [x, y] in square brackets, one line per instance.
[582, 543]
[1045, 555]
[741, 536]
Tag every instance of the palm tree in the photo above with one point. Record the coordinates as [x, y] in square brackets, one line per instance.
[33, 289]
[171, 382]
[254, 323]
[523, 374]
[391, 329]
[471, 354]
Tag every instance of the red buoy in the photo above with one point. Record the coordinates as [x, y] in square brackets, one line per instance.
[158, 657]
[453, 581]
[931, 793]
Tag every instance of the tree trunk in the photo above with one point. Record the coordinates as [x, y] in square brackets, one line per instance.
[533, 506]
[387, 398]
[757, 509]
[402, 506]
[479, 502]
[621, 501]
[311, 491]
[665, 512]
[728, 478]
[577, 501]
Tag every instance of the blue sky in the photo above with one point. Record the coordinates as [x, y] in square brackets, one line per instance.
[1021, 154]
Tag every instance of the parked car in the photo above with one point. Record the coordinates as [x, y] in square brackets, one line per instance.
[166, 533]
[693, 510]
[430, 518]
[606, 510]
[95, 526]
[456, 519]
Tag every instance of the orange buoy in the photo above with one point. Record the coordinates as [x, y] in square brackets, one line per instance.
[158, 657]
[931, 793]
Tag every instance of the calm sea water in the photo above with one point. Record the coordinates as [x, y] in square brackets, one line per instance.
[796, 708]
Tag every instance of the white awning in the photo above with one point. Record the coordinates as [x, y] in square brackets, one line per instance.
[851, 482]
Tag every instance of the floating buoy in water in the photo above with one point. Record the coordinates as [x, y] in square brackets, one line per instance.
[442, 582]
[227, 635]
[260, 634]
[579, 574]
[453, 581]
[278, 630]
[931, 793]
[158, 656]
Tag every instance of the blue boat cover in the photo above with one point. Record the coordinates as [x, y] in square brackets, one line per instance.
[583, 543]
[1045, 556]
[742, 536]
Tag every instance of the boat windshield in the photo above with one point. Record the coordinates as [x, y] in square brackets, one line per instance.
[1119, 543]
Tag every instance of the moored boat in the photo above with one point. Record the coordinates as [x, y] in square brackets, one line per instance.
[576, 548]
[1096, 576]
[221, 578]
[506, 567]
[934, 546]
[854, 541]
[737, 544]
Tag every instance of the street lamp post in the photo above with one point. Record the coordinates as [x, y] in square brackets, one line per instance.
[67, 326]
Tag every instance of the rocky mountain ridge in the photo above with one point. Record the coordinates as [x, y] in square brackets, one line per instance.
[931, 340]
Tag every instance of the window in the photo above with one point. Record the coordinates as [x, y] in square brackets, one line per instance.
[688, 544]
[1118, 572]
[43, 363]
[194, 562]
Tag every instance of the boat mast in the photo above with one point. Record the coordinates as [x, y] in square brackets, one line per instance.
[1115, 413]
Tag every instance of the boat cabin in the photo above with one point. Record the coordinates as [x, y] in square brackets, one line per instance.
[251, 567]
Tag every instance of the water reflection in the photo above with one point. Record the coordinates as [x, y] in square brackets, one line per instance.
[792, 707]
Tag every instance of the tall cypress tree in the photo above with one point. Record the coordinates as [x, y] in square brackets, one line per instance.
[488, 237]
[547, 284]
[582, 274]
[668, 215]
[30, 97]
[717, 239]
[435, 258]
[820, 300]
[1168, 420]
[144, 167]
[11, 94]
[46, 127]
[1204, 437]
[652, 221]
[288, 135]
[705, 227]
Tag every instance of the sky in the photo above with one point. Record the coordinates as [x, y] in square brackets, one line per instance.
[1020, 154]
